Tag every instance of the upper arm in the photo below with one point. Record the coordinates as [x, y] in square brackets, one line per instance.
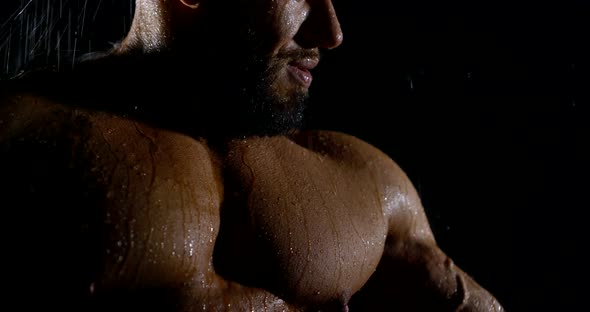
[413, 269]
[37, 197]
[400, 201]
[403, 208]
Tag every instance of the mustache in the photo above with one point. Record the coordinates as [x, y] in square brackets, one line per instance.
[298, 54]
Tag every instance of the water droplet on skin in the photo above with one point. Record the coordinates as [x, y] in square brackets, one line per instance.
[119, 243]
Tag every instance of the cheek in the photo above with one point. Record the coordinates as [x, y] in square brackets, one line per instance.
[288, 17]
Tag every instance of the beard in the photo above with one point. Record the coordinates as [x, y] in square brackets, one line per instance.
[263, 109]
[241, 76]
[266, 114]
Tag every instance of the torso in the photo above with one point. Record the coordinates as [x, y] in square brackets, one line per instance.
[310, 225]
[301, 217]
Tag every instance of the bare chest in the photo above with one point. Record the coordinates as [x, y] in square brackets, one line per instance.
[270, 215]
[299, 223]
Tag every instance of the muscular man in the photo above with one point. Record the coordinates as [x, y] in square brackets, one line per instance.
[172, 174]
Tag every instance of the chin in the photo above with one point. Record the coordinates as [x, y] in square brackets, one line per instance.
[271, 116]
[269, 103]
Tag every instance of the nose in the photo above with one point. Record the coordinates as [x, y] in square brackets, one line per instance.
[321, 29]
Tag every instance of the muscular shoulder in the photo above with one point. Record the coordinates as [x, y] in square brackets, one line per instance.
[351, 151]
[25, 115]
[401, 202]
[36, 142]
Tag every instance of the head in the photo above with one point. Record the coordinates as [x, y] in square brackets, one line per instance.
[256, 54]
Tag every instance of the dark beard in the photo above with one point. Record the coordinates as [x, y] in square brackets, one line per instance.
[244, 72]
[244, 104]
[263, 112]
[229, 92]
[268, 115]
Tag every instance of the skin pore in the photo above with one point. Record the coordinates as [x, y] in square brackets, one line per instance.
[197, 191]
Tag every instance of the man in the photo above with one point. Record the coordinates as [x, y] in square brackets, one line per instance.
[170, 175]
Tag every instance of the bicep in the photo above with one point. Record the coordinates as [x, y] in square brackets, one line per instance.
[414, 274]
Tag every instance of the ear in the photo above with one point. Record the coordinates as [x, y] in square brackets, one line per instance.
[193, 4]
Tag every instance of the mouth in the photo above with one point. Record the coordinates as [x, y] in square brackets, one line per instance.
[300, 70]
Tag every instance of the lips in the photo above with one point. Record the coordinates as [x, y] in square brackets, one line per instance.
[300, 70]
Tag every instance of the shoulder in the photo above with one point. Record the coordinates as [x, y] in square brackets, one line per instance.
[350, 149]
[33, 99]
[33, 151]
[400, 199]
[37, 139]
[26, 115]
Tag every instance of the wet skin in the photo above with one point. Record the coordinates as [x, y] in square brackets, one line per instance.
[299, 222]
[164, 220]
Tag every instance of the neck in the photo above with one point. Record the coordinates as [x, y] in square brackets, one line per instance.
[148, 31]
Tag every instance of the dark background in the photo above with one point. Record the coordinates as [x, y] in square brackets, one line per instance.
[483, 103]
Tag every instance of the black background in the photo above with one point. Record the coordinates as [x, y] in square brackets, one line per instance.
[483, 103]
